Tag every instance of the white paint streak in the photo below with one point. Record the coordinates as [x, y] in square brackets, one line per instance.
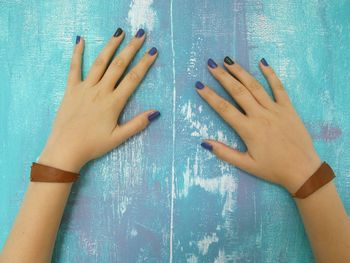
[192, 259]
[173, 138]
[221, 258]
[203, 244]
[200, 130]
[141, 15]
[224, 185]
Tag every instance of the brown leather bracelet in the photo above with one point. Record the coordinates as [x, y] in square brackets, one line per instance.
[322, 176]
[43, 173]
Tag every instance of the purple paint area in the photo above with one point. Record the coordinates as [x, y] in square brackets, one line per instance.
[324, 131]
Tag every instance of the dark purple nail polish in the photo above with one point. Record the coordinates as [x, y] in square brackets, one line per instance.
[199, 85]
[118, 32]
[153, 116]
[212, 63]
[229, 61]
[140, 33]
[264, 62]
[207, 146]
[77, 40]
[152, 51]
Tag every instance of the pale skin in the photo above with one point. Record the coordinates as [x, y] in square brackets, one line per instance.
[279, 150]
[86, 127]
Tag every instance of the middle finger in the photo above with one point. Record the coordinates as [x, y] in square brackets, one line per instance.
[239, 92]
[122, 60]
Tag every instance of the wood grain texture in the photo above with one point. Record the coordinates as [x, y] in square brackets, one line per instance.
[160, 197]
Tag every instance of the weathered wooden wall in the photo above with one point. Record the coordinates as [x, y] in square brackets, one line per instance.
[160, 197]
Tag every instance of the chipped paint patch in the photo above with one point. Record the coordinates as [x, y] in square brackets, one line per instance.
[141, 15]
[203, 244]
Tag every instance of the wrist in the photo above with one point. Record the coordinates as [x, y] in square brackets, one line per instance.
[60, 159]
[302, 173]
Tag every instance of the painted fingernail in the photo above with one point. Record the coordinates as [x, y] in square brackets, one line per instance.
[212, 63]
[199, 85]
[77, 40]
[229, 61]
[207, 146]
[152, 51]
[264, 62]
[140, 33]
[153, 116]
[118, 32]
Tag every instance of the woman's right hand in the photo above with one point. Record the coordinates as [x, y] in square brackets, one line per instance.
[279, 148]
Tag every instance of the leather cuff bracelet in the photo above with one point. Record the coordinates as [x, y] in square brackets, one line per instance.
[43, 173]
[322, 176]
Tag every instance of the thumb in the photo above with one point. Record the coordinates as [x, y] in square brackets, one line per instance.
[123, 132]
[240, 159]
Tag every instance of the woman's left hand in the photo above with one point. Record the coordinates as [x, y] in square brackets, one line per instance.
[86, 125]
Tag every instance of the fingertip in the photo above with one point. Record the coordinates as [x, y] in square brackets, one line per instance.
[153, 51]
[212, 64]
[228, 61]
[264, 62]
[207, 146]
[79, 43]
[140, 34]
[199, 85]
[153, 115]
[119, 33]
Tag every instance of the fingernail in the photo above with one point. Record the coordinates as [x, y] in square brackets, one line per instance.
[229, 61]
[118, 32]
[207, 146]
[199, 85]
[77, 40]
[264, 62]
[140, 33]
[153, 116]
[212, 63]
[152, 51]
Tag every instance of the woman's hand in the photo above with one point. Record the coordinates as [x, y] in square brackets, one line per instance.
[279, 148]
[86, 124]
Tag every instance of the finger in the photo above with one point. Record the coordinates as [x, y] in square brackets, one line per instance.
[255, 88]
[239, 159]
[123, 132]
[226, 110]
[74, 75]
[101, 62]
[276, 85]
[121, 61]
[134, 77]
[243, 97]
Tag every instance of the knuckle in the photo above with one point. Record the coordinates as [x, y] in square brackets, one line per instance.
[237, 90]
[100, 61]
[118, 62]
[279, 85]
[254, 85]
[265, 122]
[223, 106]
[131, 47]
[133, 76]
[74, 66]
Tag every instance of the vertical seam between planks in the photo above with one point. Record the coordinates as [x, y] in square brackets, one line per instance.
[173, 144]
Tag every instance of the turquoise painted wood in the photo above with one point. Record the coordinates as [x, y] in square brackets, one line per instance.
[160, 197]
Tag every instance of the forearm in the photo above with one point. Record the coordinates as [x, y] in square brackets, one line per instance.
[327, 224]
[34, 232]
